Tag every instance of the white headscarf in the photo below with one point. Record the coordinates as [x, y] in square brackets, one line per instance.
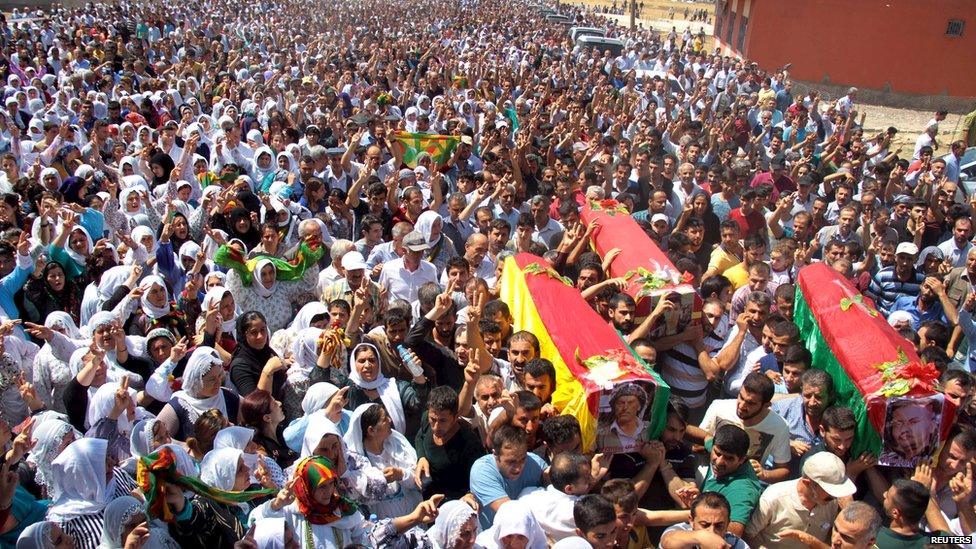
[387, 388]
[141, 438]
[79, 472]
[119, 512]
[425, 224]
[75, 256]
[102, 402]
[513, 517]
[62, 319]
[305, 315]
[269, 533]
[152, 311]
[200, 362]
[451, 516]
[111, 280]
[396, 444]
[213, 297]
[317, 397]
[258, 286]
[305, 351]
[49, 436]
[219, 468]
[233, 437]
[36, 536]
[318, 427]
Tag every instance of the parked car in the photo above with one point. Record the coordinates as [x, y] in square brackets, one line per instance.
[614, 46]
[967, 171]
[576, 32]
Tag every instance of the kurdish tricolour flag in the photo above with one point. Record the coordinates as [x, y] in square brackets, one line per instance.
[440, 147]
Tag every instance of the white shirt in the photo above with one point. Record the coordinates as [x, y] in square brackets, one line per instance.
[768, 438]
[403, 284]
[553, 510]
[954, 253]
[733, 379]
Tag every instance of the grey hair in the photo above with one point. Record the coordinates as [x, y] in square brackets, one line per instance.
[863, 514]
[340, 248]
[541, 199]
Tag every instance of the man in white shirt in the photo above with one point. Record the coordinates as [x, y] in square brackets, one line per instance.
[403, 277]
[956, 248]
[552, 506]
[926, 139]
[769, 434]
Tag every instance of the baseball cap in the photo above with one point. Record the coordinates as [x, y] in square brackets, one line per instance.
[415, 241]
[829, 472]
[466, 139]
[659, 217]
[406, 173]
[906, 248]
[353, 261]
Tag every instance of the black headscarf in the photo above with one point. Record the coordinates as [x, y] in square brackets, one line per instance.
[166, 163]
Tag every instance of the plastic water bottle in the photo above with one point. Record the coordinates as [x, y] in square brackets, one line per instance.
[414, 368]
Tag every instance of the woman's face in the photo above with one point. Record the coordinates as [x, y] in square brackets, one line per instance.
[366, 365]
[157, 170]
[466, 534]
[226, 307]
[435, 230]
[329, 448]
[267, 276]
[270, 239]
[242, 225]
[283, 163]
[212, 381]
[156, 295]
[184, 193]
[8, 212]
[243, 478]
[160, 434]
[323, 493]
[79, 242]
[59, 539]
[277, 413]
[264, 161]
[257, 334]
[55, 278]
[381, 431]
[132, 201]
[103, 337]
[515, 541]
[131, 523]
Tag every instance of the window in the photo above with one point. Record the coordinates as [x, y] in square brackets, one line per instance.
[955, 26]
[728, 28]
[742, 33]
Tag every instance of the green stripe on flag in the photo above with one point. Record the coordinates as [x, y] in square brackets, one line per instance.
[440, 147]
[846, 393]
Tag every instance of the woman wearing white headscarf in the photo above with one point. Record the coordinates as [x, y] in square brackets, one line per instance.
[275, 533]
[441, 247]
[125, 518]
[357, 475]
[456, 526]
[242, 438]
[221, 298]
[51, 436]
[202, 391]
[514, 519]
[371, 435]
[46, 534]
[404, 401]
[106, 421]
[320, 396]
[225, 469]
[271, 297]
[83, 488]
[51, 373]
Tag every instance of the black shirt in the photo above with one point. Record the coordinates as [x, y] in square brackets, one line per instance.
[450, 464]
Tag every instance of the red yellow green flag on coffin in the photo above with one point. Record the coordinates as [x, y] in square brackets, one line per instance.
[587, 353]
[439, 147]
[868, 361]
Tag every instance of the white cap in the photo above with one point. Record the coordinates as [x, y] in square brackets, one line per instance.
[906, 248]
[830, 473]
[660, 217]
[353, 261]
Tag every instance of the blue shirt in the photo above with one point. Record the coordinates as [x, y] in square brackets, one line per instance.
[488, 485]
[909, 304]
[793, 412]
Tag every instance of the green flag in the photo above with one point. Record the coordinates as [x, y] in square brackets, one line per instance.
[439, 147]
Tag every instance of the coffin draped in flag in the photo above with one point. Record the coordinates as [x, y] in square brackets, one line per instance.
[596, 372]
[650, 274]
[439, 147]
[875, 371]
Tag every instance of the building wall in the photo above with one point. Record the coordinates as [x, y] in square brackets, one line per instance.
[893, 45]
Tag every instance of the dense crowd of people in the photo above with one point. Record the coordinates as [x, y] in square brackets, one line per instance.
[234, 316]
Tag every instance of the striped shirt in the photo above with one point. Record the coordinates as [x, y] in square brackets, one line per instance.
[681, 370]
[886, 287]
[86, 530]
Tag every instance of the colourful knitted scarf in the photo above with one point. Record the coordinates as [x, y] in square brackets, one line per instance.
[293, 269]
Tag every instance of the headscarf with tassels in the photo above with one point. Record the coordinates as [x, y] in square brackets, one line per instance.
[156, 470]
[310, 473]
